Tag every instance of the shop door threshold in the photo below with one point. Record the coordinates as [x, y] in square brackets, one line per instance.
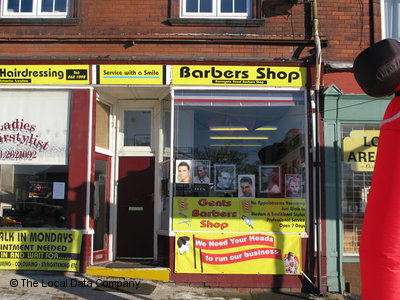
[139, 269]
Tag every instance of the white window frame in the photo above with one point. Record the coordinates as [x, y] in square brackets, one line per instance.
[123, 150]
[36, 11]
[216, 11]
[384, 6]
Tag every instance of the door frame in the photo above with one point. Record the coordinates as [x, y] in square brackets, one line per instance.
[154, 106]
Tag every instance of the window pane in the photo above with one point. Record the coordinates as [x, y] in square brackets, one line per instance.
[137, 127]
[42, 118]
[392, 14]
[61, 6]
[205, 6]
[26, 6]
[37, 7]
[47, 5]
[100, 204]
[34, 196]
[240, 132]
[192, 6]
[102, 125]
[226, 6]
[13, 5]
[240, 6]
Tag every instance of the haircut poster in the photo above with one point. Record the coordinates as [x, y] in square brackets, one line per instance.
[51, 250]
[235, 253]
[239, 214]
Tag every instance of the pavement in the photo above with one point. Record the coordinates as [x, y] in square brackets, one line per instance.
[35, 285]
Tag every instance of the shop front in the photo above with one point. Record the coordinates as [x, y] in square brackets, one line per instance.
[204, 169]
[352, 128]
[240, 177]
[45, 148]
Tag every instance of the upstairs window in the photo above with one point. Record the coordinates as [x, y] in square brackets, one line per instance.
[216, 8]
[391, 19]
[35, 8]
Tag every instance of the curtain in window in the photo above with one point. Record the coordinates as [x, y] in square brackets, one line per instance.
[392, 22]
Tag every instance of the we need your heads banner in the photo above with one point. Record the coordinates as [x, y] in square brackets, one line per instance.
[235, 253]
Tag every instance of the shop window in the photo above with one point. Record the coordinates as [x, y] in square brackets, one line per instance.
[390, 19]
[34, 133]
[103, 112]
[230, 143]
[359, 143]
[36, 8]
[216, 8]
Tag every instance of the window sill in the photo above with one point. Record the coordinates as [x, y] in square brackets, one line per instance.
[40, 21]
[216, 22]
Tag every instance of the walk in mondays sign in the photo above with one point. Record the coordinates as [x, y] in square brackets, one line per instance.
[53, 250]
[44, 74]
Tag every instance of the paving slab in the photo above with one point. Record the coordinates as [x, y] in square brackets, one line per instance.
[35, 285]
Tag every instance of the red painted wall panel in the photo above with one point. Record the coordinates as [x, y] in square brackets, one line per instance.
[78, 158]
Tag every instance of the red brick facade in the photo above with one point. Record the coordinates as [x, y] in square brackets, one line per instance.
[137, 29]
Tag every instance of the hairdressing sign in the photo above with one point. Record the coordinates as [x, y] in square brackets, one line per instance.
[53, 250]
[233, 253]
[359, 149]
[44, 74]
[34, 128]
[239, 214]
[239, 76]
[131, 74]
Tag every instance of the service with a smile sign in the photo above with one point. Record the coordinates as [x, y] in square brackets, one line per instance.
[239, 75]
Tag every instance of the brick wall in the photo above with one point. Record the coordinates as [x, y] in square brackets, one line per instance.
[351, 272]
[344, 24]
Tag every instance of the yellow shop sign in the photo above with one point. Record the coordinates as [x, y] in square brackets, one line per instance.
[131, 74]
[42, 74]
[359, 149]
[239, 75]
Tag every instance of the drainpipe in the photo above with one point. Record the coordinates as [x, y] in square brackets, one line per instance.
[318, 210]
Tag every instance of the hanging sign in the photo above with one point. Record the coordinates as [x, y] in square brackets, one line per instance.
[44, 74]
[239, 75]
[131, 74]
[233, 253]
[359, 149]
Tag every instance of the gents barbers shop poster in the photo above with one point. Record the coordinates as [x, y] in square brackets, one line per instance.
[34, 128]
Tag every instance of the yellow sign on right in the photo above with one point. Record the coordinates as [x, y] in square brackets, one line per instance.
[359, 149]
